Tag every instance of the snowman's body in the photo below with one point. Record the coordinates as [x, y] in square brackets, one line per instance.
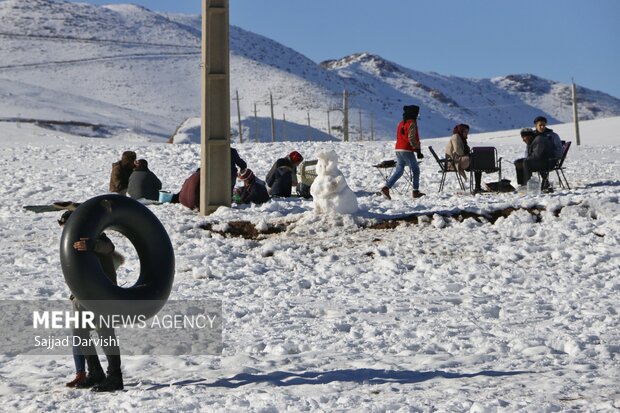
[329, 190]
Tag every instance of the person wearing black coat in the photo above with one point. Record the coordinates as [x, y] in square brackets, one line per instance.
[540, 156]
[283, 175]
[235, 161]
[143, 183]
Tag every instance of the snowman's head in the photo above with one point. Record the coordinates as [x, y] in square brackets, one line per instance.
[327, 162]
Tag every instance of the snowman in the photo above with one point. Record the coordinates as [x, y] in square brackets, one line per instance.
[329, 190]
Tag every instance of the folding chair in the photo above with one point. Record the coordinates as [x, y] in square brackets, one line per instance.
[386, 168]
[559, 166]
[446, 165]
[484, 159]
[306, 173]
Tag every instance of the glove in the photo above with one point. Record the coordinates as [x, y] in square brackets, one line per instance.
[419, 154]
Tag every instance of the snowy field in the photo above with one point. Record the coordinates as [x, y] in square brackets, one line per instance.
[518, 313]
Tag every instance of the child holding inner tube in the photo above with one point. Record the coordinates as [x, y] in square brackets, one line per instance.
[96, 379]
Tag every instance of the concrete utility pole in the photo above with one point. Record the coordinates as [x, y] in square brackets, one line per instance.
[575, 114]
[345, 116]
[273, 121]
[239, 116]
[256, 133]
[215, 185]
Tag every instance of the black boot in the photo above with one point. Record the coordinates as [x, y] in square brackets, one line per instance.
[111, 383]
[93, 378]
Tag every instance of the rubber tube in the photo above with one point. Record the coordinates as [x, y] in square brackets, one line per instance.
[84, 274]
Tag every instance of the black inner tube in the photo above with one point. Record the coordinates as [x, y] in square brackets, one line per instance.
[83, 271]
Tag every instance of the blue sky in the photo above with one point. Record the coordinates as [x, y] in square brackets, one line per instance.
[554, 39]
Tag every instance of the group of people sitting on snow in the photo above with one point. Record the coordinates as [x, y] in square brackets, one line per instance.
[132, 177]
[544, 148]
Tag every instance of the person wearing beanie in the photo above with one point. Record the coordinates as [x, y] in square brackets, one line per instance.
[253, 190]
[282, 176]
[119, 178]
[540, 123]
[143, 183]
[459, 151]
[407, 143]
[539, 156]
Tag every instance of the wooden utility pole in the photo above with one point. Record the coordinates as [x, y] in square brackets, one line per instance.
[345, 116]
[215, 185]
[329, 126]
[256, 132]
[273, 121]
[361, 135]
[372, 127]
[575, 114]
[239, 116]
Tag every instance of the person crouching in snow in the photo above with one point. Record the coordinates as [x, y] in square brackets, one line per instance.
[121, 170]
[253, 190]
[407, 143]
[143, 183]
[282, 176]
[330, 192]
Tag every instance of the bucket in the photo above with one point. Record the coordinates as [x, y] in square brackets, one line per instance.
[165, 196]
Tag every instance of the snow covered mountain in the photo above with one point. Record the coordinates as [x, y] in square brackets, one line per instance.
[123, 69]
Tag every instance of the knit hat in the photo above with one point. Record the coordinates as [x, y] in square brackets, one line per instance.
[527, 132]
[295, 157]
[540, 119]
[245, 174]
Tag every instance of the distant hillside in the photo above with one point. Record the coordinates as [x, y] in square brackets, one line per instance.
[130, 69]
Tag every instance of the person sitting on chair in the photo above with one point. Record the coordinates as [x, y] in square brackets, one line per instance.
[459, 151]
[541, 129]
[540, 157]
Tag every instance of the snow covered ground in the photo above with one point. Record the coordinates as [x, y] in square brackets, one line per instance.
[517, 314]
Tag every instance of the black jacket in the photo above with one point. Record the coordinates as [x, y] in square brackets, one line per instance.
[235, 161]
[281, 177]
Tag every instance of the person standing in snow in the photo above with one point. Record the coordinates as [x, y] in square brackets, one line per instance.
[253, 190]
[235, 161]
[540, 156]
[143, 183]
[121, 170]
[407, 143]
[540, 123]
[459, 151]
[96, 379]
[283, 175]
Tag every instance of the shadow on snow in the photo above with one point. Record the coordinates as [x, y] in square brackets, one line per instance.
[361, 376]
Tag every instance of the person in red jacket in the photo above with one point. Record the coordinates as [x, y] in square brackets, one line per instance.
[407, 143]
